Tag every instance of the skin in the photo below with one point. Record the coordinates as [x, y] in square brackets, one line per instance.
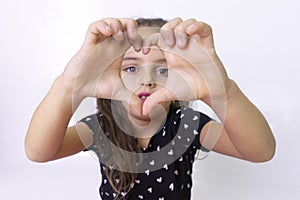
[244, 132]
[145, 74]
[142, 73]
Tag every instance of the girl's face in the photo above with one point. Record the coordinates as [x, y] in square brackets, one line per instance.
[145, 74]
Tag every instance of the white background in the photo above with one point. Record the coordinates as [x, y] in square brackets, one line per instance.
[257, 40]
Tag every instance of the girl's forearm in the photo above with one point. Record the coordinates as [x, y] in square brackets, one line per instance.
[49, 123]
[246, 127]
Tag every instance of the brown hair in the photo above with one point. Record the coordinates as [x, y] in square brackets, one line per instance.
[118, 136]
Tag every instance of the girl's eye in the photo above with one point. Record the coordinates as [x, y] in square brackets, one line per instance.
[162, 71]
[130, 69]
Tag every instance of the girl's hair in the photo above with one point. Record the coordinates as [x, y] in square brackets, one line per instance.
[152, 22]
[121, 181]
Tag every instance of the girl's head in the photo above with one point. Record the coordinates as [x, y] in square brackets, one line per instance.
[142, 74]
[145, 73]
[150, 22]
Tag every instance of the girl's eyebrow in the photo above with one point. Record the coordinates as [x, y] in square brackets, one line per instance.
[129, 58]
[160, 60]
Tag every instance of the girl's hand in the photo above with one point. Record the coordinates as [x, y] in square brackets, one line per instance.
[195, 71]
[94, 70]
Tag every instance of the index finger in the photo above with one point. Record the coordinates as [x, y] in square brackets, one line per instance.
[204, 31]
[167, 31]
[130, 25]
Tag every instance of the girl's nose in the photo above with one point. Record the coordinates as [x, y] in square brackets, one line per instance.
[148, 84]
[147, 80]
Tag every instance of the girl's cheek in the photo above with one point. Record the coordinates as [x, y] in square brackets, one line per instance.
[161, 81]
[131, 82]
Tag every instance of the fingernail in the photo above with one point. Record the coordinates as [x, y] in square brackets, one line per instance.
[107, 28]
[145, 50]
[119, 36]
[190, 27]
[179, 42]
[132, 31]
[169, 42]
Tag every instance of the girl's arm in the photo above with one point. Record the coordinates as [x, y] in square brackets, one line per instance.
[48, 136]
[244, 132]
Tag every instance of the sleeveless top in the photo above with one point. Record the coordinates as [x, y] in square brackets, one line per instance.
[169, 175]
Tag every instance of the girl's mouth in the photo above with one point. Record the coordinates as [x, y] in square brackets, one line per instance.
[143, 96]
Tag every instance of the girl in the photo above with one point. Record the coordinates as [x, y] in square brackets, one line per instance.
[143, 133]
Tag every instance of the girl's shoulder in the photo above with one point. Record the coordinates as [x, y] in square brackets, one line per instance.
[92, 120]
[188, 114]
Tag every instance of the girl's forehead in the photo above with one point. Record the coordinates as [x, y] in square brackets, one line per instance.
[147, 31]
[154, 53]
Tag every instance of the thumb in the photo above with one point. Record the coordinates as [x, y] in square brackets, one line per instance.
[132, 100]
[135, 103]
[161, 95]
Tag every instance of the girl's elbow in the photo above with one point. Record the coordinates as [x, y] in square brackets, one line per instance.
[271, 150]
[267, 150]
[270, 154]
[265, 158]
[35, 155]
[266, 155]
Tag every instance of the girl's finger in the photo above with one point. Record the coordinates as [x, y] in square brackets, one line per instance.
[121, 93]
[156, 98]
[204, 31]
[133, 101]
[180, 33]
[150, 41]
[117, 27]
[130, 26]
[167, 31]
[98, 30]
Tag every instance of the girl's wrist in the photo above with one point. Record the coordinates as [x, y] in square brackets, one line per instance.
[219, 104]
[65, 93]
[227, 91]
